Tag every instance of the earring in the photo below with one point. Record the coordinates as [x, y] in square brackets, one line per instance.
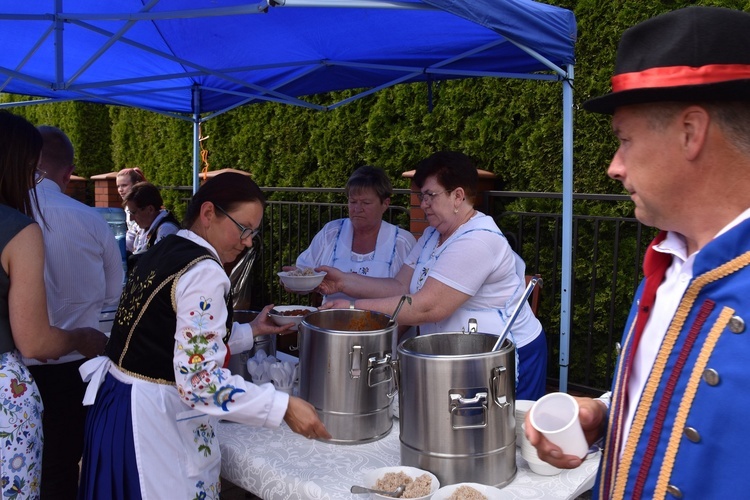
[455, 210]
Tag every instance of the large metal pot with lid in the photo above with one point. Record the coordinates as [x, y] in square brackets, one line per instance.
[456, 407]
[346, 372]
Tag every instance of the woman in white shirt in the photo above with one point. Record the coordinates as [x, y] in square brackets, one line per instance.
[363, 243]
[461, 268]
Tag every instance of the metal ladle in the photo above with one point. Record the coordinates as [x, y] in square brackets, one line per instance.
[395, 493]
[512, 319]
[392, 321]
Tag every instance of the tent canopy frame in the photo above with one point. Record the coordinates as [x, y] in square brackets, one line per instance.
[195, 90]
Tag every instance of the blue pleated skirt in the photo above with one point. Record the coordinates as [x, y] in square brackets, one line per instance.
[109, 468]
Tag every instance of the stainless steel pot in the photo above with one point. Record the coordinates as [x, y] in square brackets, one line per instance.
[238, 362]
[456, 399]
[346, 372]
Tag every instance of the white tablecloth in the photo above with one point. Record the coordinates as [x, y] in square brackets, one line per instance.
[277, 464]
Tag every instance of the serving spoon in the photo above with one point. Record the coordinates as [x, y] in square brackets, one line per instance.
[392, 321]
[395, 493]
[512, 319]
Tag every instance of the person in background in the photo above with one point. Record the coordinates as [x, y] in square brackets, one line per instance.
[145, 205]
[161, 388]
[363, 243]
[461, 268]
[24, 322]
[677, 419]
[82, 275]
[126, 179]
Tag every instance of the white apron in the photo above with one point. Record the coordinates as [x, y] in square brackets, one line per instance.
[187, 448]
[376, 264]
[489, 320]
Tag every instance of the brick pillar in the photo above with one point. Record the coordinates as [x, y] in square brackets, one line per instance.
[418, 222]
[214, 173]
[105, 190]
[77, 188]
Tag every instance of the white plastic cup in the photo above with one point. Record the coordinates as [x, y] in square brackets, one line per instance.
[556, 416]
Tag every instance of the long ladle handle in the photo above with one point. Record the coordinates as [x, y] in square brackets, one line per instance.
[392, 321]
[512, 319]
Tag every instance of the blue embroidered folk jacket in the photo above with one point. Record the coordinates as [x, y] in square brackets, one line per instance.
[691, 430]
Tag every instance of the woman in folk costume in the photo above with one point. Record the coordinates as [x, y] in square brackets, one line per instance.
[162, 386]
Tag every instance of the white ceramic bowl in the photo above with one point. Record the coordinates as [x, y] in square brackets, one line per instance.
[282, 319]
[528, 452]
[522, 406]
[541, 467]
[520, 433]
[490, 492]
[301, 283]
[371, 477]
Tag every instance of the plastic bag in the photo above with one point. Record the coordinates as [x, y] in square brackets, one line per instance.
[241, 279]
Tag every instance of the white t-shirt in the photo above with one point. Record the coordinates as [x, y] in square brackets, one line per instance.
[478, 261]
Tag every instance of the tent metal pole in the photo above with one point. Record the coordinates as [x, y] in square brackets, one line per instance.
[196, 137]
[567, 229]
[59, 60]
[354, 4]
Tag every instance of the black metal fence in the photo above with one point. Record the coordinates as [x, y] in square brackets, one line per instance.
[607, 254]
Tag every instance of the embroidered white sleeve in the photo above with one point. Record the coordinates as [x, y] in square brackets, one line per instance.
[200, 354]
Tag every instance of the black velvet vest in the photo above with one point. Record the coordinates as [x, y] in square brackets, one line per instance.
[142, 338]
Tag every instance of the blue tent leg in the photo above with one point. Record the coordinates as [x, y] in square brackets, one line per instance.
[567, 229]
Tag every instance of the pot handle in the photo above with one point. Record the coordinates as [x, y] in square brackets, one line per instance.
[498, 383]
[459, 403]
[373, 364]
[396, 375]
[355, 358]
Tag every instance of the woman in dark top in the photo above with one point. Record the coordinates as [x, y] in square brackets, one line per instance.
[24, 324]
[160, 390]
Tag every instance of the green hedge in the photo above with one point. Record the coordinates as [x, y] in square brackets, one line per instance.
[512, 128]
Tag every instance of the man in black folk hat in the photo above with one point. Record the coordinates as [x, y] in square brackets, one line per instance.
[677, 425]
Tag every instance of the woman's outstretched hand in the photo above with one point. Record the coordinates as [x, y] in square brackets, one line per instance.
[333, 281]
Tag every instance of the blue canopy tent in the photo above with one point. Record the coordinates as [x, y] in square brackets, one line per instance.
[194, 60]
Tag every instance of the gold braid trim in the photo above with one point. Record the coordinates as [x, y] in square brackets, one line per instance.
[687, 401]
[615, 439]
[657, 372]
[169, 279]
[147, 379]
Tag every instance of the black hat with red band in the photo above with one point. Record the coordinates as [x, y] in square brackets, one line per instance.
[692, 54]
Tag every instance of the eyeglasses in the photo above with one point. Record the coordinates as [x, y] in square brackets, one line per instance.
[39, 175]
[245, 232]
[429, 197]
